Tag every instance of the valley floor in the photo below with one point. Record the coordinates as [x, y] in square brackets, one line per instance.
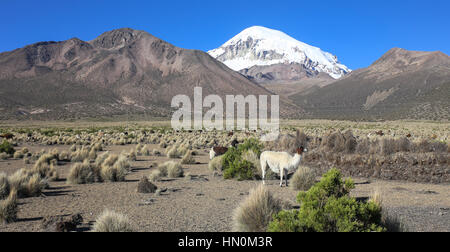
[205, 202]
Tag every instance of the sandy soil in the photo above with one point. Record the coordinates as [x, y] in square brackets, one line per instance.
[205, 202]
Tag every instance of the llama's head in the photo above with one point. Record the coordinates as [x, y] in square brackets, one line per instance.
[301, 150]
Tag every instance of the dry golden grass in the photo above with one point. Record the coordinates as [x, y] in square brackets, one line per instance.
[303, 179]
[81, 173]
[216, 164]
[8, 208]
[188, 158]
[4, 186]
[110, 221]
[256, 211]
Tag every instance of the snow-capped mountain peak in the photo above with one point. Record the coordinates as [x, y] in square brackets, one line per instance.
[261, 46]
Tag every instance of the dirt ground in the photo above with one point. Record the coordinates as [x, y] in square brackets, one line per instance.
[205, 202]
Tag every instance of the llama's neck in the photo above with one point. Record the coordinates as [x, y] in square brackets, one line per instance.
[295, 162]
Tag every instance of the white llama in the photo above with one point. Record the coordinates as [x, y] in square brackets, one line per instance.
[281, 163]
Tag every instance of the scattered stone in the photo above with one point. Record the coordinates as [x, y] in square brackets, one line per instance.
[146, 186]
[147, 202]
[61, 224]
[427, 192]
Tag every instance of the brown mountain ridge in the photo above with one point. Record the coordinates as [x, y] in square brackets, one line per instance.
[401, 84]
[123, 71]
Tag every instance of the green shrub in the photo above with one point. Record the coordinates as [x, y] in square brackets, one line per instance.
[251, 144]
[240, 169]
[327, 207]
[7, 148]
[235, 166]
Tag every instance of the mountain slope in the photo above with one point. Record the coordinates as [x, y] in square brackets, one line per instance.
[121, 72]
[401, 84]
[260, 46]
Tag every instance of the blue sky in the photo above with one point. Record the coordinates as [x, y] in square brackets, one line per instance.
[357, 31]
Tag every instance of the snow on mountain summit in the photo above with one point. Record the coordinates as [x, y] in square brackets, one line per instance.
[260, 46]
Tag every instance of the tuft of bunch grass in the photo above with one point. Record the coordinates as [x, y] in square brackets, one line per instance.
[81, 173]
[80, 154]
[27, 183]
[156, 152]
[115, 168]
[256, 211]
[303, 179]
[4, 186]
[155, 176]
[110, 221]
[45, 167]
[216, 164]
[8, 208]
[188, 158]
[145, 151]
[174, 170]
[3, 156]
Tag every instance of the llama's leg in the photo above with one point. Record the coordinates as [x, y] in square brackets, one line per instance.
[286, 177]
[263, 169]
[281, 176]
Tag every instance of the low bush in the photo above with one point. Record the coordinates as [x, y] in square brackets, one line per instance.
[327, 207]
[234, 164]
[6, 147]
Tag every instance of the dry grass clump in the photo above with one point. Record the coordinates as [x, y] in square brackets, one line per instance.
[251, 157]
[64, 156]
[80, 154]
[303, 179]
[392, 223]
[4, 186]
[173, 152]
[8, 208]
[376, 197]
[132, 155]
[114, 168]
[145, 151]
[110, 221]
[334, 142]
[81, 173]
[45, 167]
[156, 152]
[3, 156]
[155, 176]
[177, 151]
[256, 211]
[216, 164]
[101, 158]
[174, 170]
[27, 183]
[188, 158]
